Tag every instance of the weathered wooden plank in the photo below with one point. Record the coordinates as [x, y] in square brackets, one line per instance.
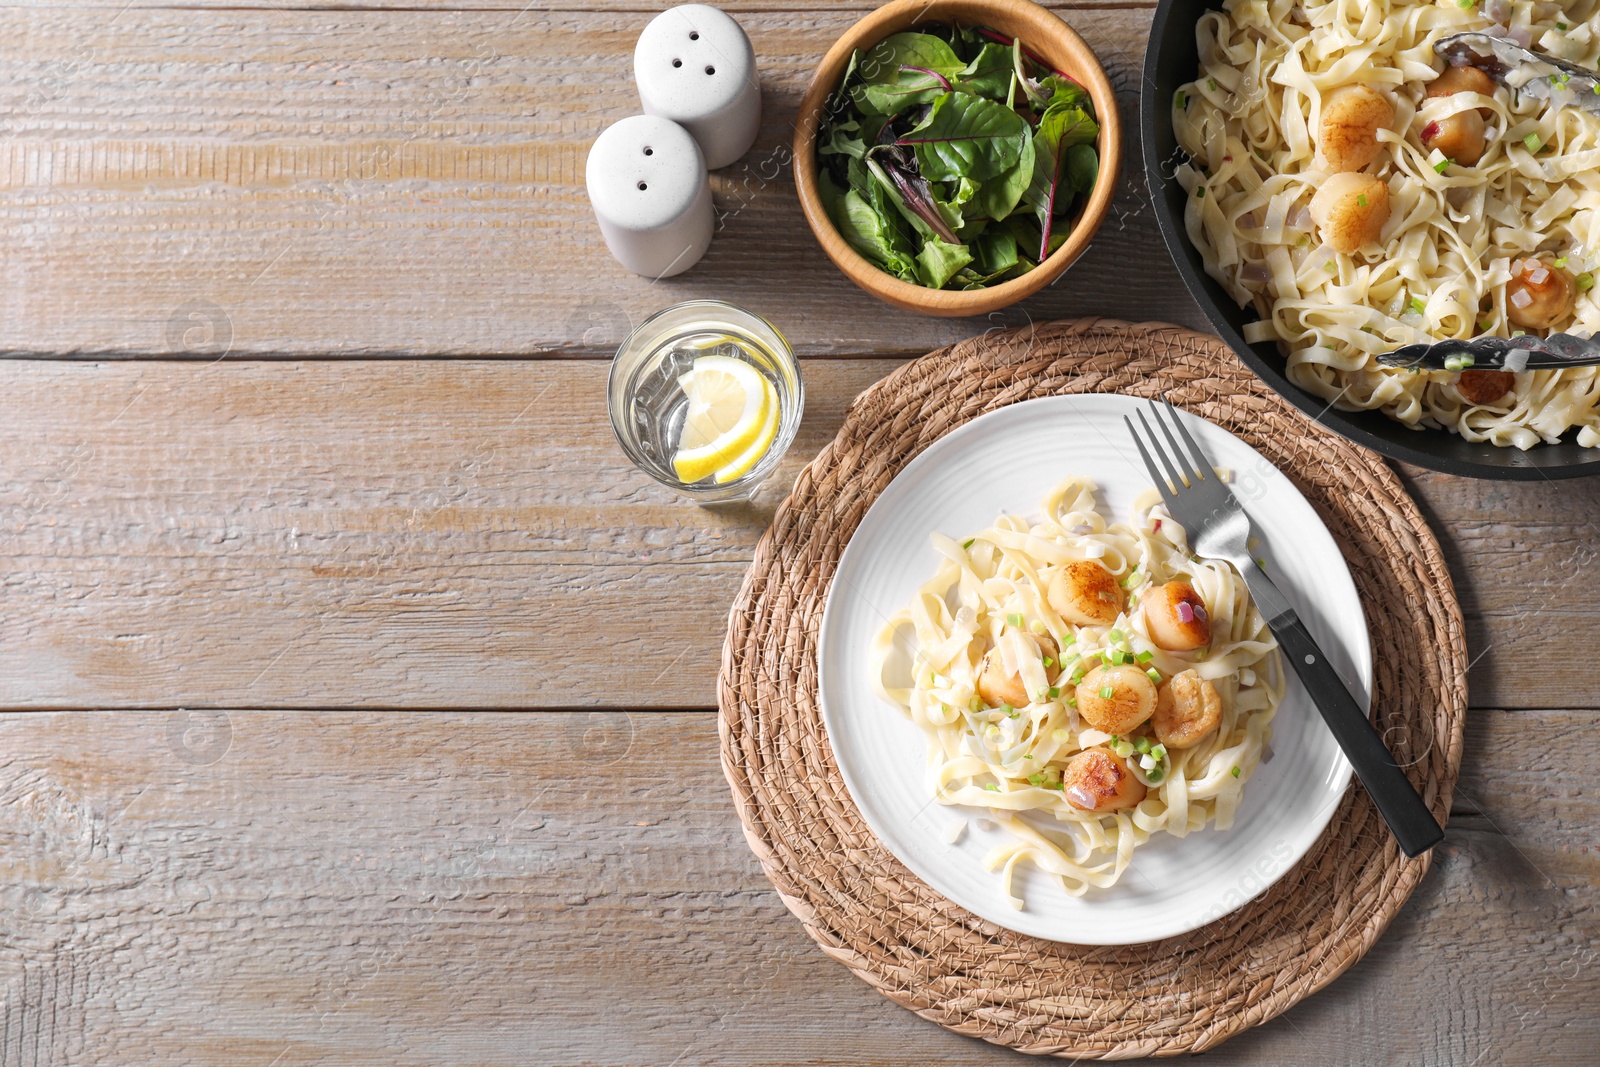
[295, 888]
[1521, 557]
[466, 534]
[410, 182]
[512, 12]
[417, 533]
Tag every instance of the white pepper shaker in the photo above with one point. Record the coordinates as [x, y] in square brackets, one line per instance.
[694, 65]
[647, 184]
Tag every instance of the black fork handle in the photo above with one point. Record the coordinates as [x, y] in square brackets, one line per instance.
[1413, 825]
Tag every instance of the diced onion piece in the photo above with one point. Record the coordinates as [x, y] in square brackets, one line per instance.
[1538, 277]
[1185, 611]
[1517, 360]
[1521, 299]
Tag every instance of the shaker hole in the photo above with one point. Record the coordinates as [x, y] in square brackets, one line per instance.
[677, 62]
[649, 151]
[694, 35]
[711, 70]
[643, 187]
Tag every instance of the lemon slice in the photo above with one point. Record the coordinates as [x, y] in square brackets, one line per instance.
[758, 448]
[730, 406]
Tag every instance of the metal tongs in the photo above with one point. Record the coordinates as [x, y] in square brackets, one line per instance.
[1555, 352]
[1542, 77]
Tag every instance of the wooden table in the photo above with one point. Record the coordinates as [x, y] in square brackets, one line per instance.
[359, 695]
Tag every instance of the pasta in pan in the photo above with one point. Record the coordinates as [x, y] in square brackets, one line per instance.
[1360, 197]
[1088, 684]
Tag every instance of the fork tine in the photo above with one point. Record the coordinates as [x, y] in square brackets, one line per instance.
[1201, 461]
[1178, 484]
[1177, 450]
[1149, 464]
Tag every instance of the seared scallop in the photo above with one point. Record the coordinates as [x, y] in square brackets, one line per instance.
[1538, 295]
[1484, 386]
[1187, 709]
[1084, 593]
[1097, 779]
[1175, 617]
[1116, 699]
[1351, 119]
[1350, 211]
[1461, 80]
[996, 686]
[1461, 137]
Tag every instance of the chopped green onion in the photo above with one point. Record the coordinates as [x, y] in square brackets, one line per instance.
[1596, 88]
[1014, 619]
[1132, 579]
[1114, 635]
[1054, 691]
[1418, 306]
[1142, 745]
[1443, 165]
[1562, 26]
[968, 543]
[1067, 661]
[1072, 702]
[1035, 779]
[1145, 656]
[1155, 776]
[1004, 709]
[1048, 662]
[1464, 4]
[1236, 772]
[991, 787]
[1036, 626]
[1028, 756]
[1155, 675]
[1361, 200]
[1158, 751]
[1199, 192]
[1458, 363]
[1107, 692]
[1181, 101]
[1585, 282]
[1562, 262]
[1330, 268]
[1532, 142]
[1077, 676]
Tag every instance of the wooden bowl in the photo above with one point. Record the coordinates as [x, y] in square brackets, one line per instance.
[1047, 37]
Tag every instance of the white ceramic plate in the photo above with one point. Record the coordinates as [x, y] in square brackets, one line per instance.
[1007, 461]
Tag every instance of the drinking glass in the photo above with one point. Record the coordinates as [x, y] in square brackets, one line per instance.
[648, 406]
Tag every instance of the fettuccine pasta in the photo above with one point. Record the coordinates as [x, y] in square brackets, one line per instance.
[1450, 255]
[1086, 684]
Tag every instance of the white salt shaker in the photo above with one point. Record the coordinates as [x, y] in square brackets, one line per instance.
[647, 183]
[694, 65]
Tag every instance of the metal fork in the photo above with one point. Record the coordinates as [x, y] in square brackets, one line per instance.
[1220, 529]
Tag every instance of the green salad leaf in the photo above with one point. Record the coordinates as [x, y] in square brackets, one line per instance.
[951, 157]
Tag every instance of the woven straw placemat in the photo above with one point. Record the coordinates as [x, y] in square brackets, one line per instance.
[1184, 994]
